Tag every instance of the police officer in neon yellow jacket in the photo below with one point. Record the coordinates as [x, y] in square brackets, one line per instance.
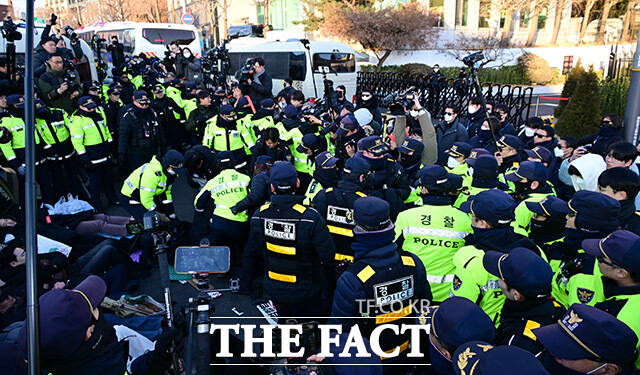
[434, 231]
[548, 220]
[617, 290]
[530, 181]
[456, 162]
[224, 134]
[92, 141]
[148, 187]
[491, 216]
[215, 204]
[591, 215]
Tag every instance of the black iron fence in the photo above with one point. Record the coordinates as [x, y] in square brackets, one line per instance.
[436, 94]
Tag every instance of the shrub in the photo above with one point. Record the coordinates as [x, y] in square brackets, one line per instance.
[535, 68]
[570, 84]
[614, 96]
[582, 115]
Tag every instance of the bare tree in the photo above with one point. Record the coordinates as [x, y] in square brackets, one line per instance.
[496, 50]
[602, 25]
[381, 31]
[626, 22]
[557, 20]
[588, 6]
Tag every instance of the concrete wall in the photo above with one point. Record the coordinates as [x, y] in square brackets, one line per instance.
[598, 56]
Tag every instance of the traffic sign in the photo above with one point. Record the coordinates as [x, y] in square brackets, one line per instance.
[187, 18]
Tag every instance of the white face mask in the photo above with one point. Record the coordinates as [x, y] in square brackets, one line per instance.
[452, 163]
[529, 132]
[436, 70]
[472, 110]
[414, 113]
[470, 171]
[637, 161]
[186, 54]
[171, 172]
[448, 118]
[558, 152]
[578, 183]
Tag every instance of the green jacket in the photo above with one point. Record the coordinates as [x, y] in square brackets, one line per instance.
[434, 233]
[225, 190]
[146, 183]
[49, 83]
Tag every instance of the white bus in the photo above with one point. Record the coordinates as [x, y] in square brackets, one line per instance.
[291, 59]
[150, 39]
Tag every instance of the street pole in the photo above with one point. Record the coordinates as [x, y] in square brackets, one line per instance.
[33, 338]
[632, 113]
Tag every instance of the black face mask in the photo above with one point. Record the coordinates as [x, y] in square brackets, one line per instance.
[543, 231]
[409, 160]
[327, 177]
[102, 337]
[340, 95]
[439, 364]
[484, 135]
[522, 189]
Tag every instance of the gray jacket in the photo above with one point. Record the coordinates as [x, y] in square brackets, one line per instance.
[447, 136]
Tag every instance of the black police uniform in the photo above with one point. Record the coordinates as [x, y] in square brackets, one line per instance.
[62, 158]
[295, 245]
[172, 127]
[387, 181]
[336, 206]
[140, 136]
[517, 319]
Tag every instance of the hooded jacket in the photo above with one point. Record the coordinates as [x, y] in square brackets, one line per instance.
[590, 166]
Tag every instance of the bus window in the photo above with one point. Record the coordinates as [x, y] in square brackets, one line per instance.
[280, 65]
[338, 62]
[297, 66]
[166, 36]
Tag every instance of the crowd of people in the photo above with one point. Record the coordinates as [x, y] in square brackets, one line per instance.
[528, 243]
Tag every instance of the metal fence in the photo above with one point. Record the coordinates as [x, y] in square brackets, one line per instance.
[436, 94]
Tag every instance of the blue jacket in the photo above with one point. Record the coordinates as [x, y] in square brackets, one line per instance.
[349, 288]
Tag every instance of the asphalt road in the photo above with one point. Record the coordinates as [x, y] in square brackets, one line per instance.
[184, 196]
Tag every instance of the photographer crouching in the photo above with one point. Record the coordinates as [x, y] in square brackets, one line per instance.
[57, 83]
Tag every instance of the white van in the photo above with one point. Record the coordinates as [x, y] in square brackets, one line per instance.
[150, 39]
[292, 59]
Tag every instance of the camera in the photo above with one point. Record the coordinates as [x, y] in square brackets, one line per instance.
[397, 102]
[215, 65]
[53, 19]
[70, 32]
[473, 58]
[10, 30]
[246, 73]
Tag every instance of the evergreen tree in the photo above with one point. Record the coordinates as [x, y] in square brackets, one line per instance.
[582, 114]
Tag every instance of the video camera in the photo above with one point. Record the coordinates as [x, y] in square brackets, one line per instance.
[246, 73]
[397, 102]
[470, 60]
[53, 20]
[215, 64]
[10, 30]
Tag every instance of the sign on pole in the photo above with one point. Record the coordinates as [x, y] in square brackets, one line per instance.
[187, 18]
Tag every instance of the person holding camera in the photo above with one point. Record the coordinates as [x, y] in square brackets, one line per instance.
[42, 53]
[260, 83]
[56, 84]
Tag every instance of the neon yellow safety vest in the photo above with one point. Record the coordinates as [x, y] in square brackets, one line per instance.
[146, 183]
[434, 234]
[221, 139]
[227, 189]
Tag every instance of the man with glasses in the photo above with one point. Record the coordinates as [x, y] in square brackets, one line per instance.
[55, 89]
[502, 113]
[545, 137]
[448, 132]
[140, 136]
